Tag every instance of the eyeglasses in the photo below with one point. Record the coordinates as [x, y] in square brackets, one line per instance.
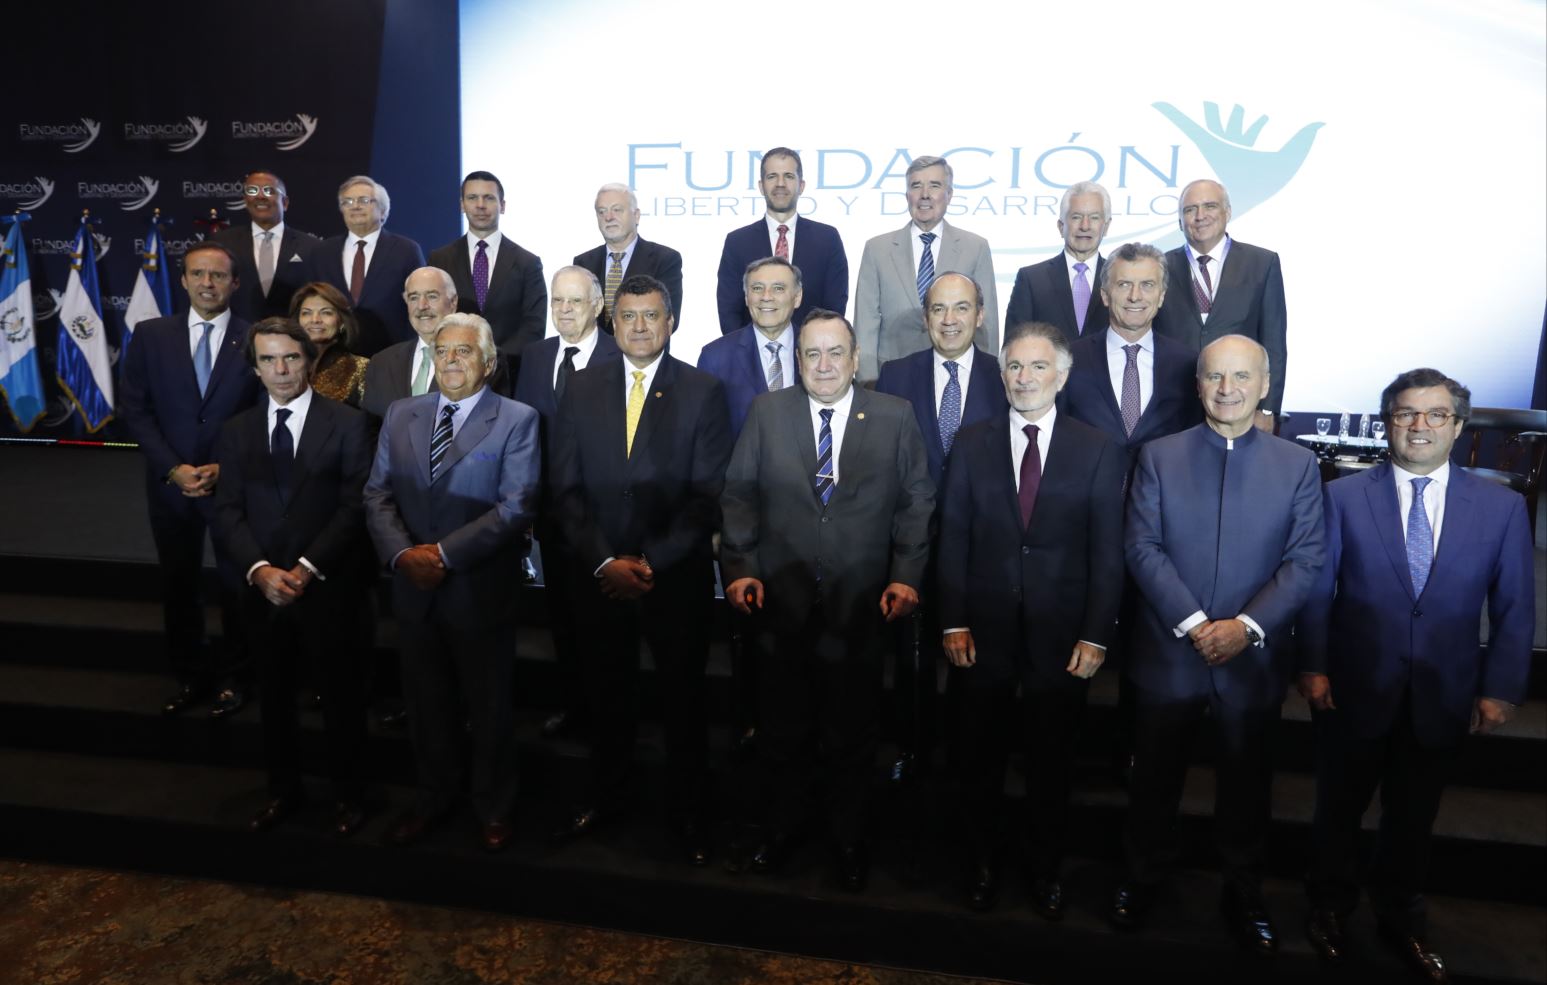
[346, 202]
[1406, 418]
[261, 191]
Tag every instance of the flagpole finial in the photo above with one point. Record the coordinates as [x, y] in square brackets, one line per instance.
[85, 213]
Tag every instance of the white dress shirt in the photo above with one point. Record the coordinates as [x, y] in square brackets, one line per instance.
[629, 369]
[934, 247]
[493, 250]
[1117, 361]
[1218, 254]
[349, 251]
[587, 347]
[773, 234]
[1433, 498]
[1018, 440]
[464, 409]
[943, 376]
[839, 425]
[217, 334]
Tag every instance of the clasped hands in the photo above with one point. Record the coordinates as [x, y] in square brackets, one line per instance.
[626, 577]
[195, 481]
[281, 587]
[1218, 640]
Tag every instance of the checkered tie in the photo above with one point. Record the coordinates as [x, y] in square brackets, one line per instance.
[441, 439]
[1420, 539]
[775, 367]
[824, 457]
[614, 278]
[950, 407]
[1081, 297]
[926, 266]
[1130, 403]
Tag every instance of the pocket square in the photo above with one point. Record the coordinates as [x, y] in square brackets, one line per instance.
[485, 456]
[297, 259]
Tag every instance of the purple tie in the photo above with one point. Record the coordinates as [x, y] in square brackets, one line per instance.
[1031, 475]
[1130, 402]
[481, 273]
[1081, 297]
[1199, 291]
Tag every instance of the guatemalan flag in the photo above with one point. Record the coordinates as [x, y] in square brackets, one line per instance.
[20, 379]
[152, 295]
[82, 364]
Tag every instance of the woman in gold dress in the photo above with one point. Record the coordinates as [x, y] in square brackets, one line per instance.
[326, 315]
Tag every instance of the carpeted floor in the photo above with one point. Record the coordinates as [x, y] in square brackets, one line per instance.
[94, 927]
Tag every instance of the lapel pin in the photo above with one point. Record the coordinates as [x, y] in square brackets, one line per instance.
[860, 416]
[658, 393]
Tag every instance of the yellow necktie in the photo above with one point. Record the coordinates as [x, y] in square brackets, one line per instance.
[636, 407]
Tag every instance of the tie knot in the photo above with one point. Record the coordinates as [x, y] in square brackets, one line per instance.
[449, 411]
[359, 244]
[1080, 268]
[281, 415]
[1203, 261]
[1031, 432]
[207, 326]
[951, 366]
[773, 348]
[639, 378]
[783, 228]
[483, 244]
[927, 238]
[1419, 483]
[827, 415]
[616, 257]
[570, 350]
[268, 234]
[1132, 350]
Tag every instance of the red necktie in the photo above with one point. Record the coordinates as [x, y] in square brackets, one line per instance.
[1031, 475]
[782, 248]
[357, 274]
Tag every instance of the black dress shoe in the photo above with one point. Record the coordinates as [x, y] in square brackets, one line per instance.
[348, 817]
[393, 719]
[983, 887]
[412, 826]
[697, 845]
[495, 835]
[227, 703]
[186, 697]
[556, 724]
[853, 868]
[904, 768]
[1417, 957]
[275, 811]
[1129, 904]
[770, 853]
[1324, 929]
[582, 821]
[1247, 918]
[1046, 897]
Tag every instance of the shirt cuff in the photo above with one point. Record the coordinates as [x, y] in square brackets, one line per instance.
[254, 568]
[1096, 645]
[605, 561]
[444, 560]
[1251, 624]
[1186, 625]
[312, 568]
[399, 554]
[957, 629]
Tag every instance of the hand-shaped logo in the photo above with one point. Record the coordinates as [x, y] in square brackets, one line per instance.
[1253, 176]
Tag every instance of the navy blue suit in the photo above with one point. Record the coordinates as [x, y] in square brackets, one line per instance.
[1042, 293]
[292, 266]
[1405, 670]
[661, 262]
[381, 313]
[912, 378]
[1173, 404]
[736, 360]
[818, 253]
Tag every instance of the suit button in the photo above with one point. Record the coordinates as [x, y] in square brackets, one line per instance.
[1025, 550]
[202, 420]
[1417, 612]
[825, 519]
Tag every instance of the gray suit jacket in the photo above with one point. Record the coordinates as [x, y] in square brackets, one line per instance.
[476, 509]
[888, 318]
[830, 562]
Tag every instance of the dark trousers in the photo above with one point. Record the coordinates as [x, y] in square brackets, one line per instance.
[1044, 721]
[818, 718]
[673, 618]
[564, 617]
[1411, 778]
[315, 638]
[915, 682]
[179, 534]
[1164, 732]
[457, 670]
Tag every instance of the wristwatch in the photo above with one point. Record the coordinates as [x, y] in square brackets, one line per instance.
[1253, 638]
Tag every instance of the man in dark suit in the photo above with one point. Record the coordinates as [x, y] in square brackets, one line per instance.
[1224, 540]
[272, 257]
[826, 532]
[289, 512]
[494, 276]
[1416, 549]
[1219, 287]
[369, 264]
[1128, 381]
[182, 379]
[760, 356]
[546, 369]
[950, 385]
[1030, 572]
[452, 492]
[1059, 290]
[783, 233]
[624, 253]
[640, 446]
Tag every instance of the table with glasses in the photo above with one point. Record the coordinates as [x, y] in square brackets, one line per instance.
[1340, 454]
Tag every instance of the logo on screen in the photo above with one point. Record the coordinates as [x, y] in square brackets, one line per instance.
[76, 137]
[103, 244]
[36, 192]
[286, 134]
[131, 195]
[179, 136]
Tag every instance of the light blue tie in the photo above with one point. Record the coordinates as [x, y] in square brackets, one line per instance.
[926, 266]
[950, 407]
[1420, 539]
[201, 360]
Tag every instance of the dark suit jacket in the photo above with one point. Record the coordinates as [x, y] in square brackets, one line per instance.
[292, 268]
[736, 360]
[476, 509]
[1248, 300]
[1226, 530]
[1028, 594]
[1380, 644]
[818, 253]
[516, 306]
[663, 500]
[1173, 405]
[382, 315]
[534, 387]
[661, 262]
[158, 399]
[320, 516]
[1042, 293]
[913, 379]
[828, 562]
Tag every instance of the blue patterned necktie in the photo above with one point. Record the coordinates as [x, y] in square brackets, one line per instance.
[926, 266]
[824, 457]
[1420, 539]
[441, 439]
[950, 407]
[201, 358]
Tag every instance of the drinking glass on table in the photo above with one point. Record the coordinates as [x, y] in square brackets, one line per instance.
[1378, 428]
[1323, 425]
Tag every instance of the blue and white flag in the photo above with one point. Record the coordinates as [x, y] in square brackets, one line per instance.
[82, 364]
[20, 378]
[152, 295]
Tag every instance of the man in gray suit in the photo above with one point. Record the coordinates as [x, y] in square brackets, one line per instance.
[826, 532]
[898, 267]
[451, 494]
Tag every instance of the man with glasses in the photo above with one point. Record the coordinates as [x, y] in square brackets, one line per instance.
[271, 255]
[1390, 661]
[369, 264]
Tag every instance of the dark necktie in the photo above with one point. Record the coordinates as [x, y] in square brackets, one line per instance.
[824, 457]
[1200, 291]
[566, 370]
[357, 273]
[1031, 475]
[481, 273]
[440, 441]
[1130, 402]
[926, 266]
[1420, 539]
[950, 407]
[282, 449]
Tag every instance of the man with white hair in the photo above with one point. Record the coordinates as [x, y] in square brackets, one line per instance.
[624, 253]
[1063, 291]
[369, 264]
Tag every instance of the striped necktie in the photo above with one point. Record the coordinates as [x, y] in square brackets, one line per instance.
[926, 266]
[440, 441]
[824, 457]
[775, 367]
